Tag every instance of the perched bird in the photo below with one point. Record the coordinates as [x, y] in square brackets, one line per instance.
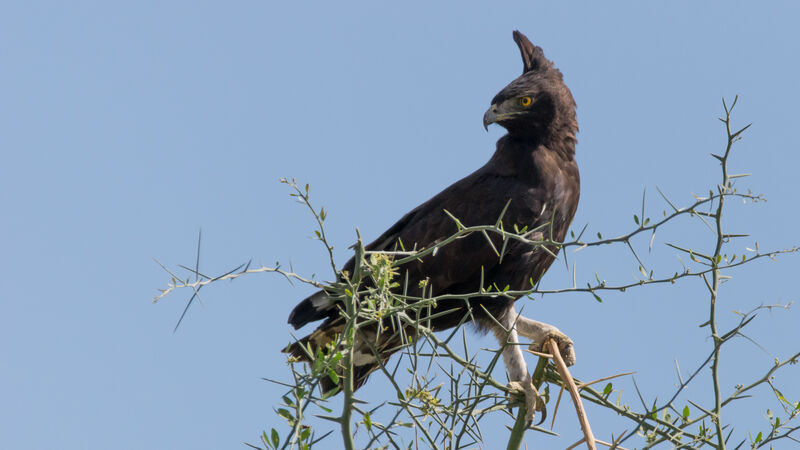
[534, 176]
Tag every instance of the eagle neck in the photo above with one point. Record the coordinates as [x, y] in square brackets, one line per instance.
[562, 143]
[511, 146]
[517, 156]
[513, 155]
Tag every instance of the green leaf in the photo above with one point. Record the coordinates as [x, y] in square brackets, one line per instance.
[686, 412]
[328, 395]
[597, 297]
[317, 364]
[333, 376]
[285, 414]
[636, 219]
[276, 439]
[607, 390]
[758, 437]
[305, 433]
[367, 421]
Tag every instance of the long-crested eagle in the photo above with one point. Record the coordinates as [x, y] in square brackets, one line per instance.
[534, 176]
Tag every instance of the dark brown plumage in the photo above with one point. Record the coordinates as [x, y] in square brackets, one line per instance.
[533, 166]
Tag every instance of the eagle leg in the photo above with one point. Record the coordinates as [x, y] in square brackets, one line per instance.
[519, 377]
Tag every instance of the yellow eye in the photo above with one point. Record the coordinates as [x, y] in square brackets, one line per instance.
[525, 101]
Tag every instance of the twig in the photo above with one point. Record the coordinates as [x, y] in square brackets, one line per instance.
[581, 441]
[555, 410]
[589, 383]
[612, 445]
[573, 390]
[518, 431]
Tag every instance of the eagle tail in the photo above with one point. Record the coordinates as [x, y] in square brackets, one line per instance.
[317, 306]
[365, 359]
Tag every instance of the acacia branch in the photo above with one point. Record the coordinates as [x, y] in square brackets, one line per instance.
[573, 390]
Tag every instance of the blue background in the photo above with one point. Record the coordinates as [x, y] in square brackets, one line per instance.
[124, 128]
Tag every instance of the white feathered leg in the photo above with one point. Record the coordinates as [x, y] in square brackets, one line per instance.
[512, 353]
[518, 375]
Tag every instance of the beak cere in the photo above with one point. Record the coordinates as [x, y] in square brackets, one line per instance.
[490, 117]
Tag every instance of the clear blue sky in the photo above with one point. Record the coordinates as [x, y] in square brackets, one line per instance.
[125, 128]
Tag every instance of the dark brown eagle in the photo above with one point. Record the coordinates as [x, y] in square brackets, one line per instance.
[534, 174]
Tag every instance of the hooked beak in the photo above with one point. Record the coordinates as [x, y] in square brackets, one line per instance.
[490, 117]
[498, 113]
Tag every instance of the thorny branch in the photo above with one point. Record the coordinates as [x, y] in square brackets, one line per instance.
[420, 377]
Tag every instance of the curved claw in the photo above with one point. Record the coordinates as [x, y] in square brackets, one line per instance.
[533, 401]
[544, 416]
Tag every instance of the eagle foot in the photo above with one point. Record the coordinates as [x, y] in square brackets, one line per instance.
[524, 392]
[563, 342]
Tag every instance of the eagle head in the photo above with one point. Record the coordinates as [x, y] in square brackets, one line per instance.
[537, 102]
